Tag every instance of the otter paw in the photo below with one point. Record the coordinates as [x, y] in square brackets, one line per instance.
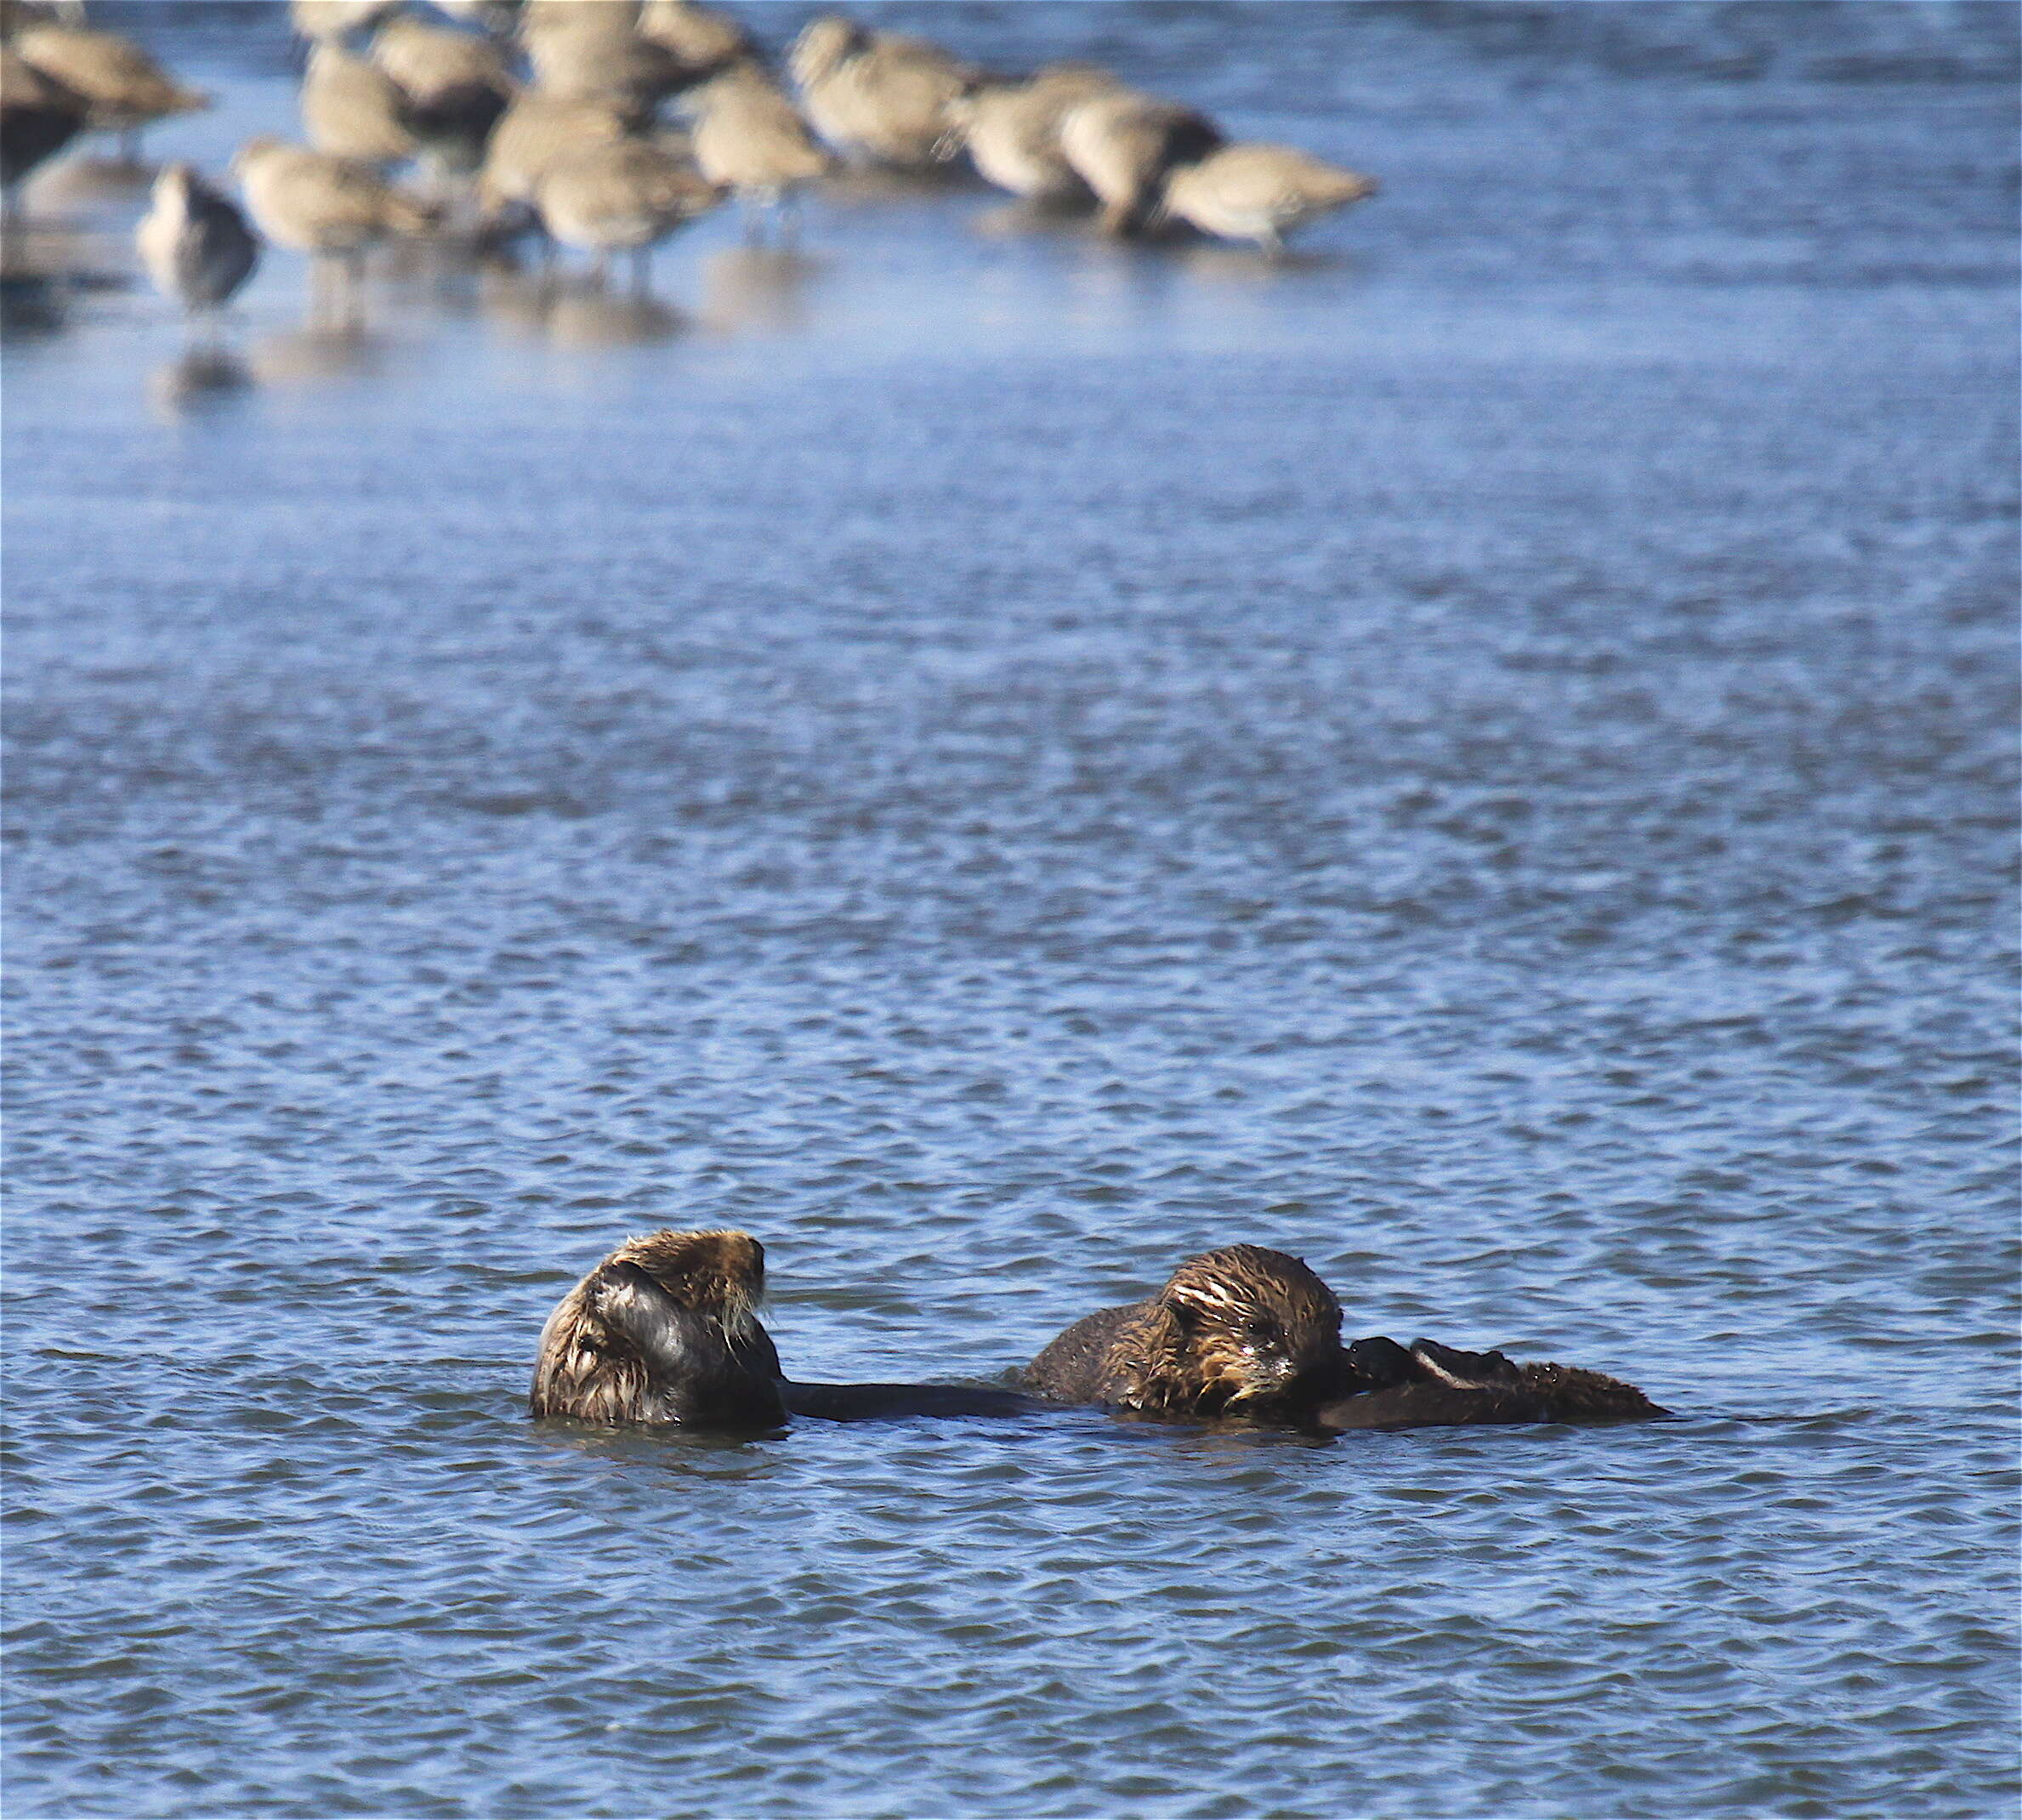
[1382, 1362]
[1456, 1367]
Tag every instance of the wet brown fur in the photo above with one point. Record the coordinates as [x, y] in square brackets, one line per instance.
[665, 1330]
[1238, 1332]
[1434, 1386]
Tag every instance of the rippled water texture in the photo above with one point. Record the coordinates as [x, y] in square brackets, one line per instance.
[1482, 757]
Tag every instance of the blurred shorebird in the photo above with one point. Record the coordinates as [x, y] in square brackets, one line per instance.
[1124, 145]
[625, 196]
[530, 135]
[1012, 130]
[876, 97]
[593, 52]
[456, 86]
[124, 88]
[1260, 192]
[327, 208]
[703, 41]
[195, 244]
[749, 137]
[352, 109]
[39, 117]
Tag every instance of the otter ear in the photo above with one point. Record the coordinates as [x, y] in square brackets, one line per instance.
[1186, 1312]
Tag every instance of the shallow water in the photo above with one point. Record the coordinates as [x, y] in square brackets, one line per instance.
[1483, 756]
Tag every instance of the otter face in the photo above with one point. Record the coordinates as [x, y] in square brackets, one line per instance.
[1252, 1321]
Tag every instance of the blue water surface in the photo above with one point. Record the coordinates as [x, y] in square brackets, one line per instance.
[1483, 755]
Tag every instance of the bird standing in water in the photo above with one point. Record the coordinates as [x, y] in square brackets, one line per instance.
[124, 88]
[196, 246]
[1124, 146]
[621, 197]
[747, 135]
[1260, 192]
[327, 208]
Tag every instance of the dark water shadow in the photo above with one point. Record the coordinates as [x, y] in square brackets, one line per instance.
[745, 1455]
[33, 305]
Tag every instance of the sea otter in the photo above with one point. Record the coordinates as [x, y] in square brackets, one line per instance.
[1242, 1332]
[665, 1332]
[1382, 1385]
[1253, 1334]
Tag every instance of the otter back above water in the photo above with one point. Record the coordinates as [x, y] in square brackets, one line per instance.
[1481, 758]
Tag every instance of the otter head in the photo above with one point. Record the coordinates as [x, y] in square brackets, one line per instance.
[719, 1274]
[1248, 1325]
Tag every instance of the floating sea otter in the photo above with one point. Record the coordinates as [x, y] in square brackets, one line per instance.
[1241, 1332]
[665, 1332]
[1251, 1334]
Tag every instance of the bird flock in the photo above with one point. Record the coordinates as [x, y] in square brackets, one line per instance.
[604, 125]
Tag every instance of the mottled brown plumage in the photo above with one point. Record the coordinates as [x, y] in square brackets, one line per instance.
[1239, 1331]
[664, 1333]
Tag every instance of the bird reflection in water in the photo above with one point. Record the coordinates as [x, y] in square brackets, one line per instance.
[511, 298]
[81, 182]
[48, 266]
[318, 351]
[569, 310]
[1030, 215]
[1218, 262]
[757, 287]
[33, 303]
[590, 316]
[198, 378]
